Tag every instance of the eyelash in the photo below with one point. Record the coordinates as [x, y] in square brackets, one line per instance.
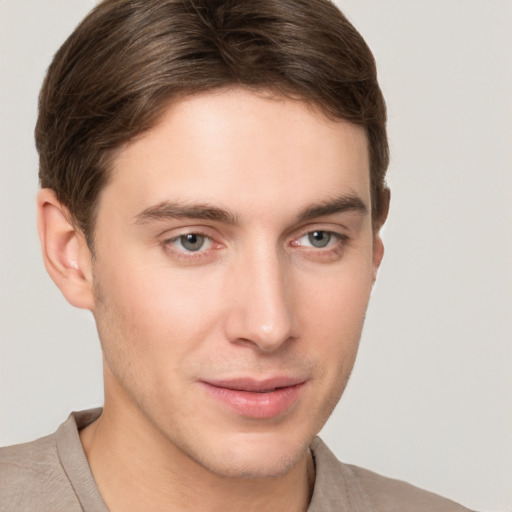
[335, 248]
[331, 252]
[332, 235]
[183, 254]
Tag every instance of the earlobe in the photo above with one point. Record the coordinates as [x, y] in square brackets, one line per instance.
[66, 256]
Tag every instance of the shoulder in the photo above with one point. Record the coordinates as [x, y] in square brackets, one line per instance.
[30, 463]
[32, 478]
[372, 491]
[388, 493]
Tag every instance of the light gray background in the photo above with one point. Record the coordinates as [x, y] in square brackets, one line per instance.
[430, 398]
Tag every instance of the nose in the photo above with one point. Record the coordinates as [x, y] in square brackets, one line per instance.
[261, 312]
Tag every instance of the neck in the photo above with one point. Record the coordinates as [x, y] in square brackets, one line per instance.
[137, 468]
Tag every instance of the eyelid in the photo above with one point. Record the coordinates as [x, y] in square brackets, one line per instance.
[177, 238]
[335, 238]
[169, 238]
[335, 231]
[330, 253]
[186, 229]
[336, 246]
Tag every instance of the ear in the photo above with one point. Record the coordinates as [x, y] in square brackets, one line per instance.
[67, 257]
[378, 245]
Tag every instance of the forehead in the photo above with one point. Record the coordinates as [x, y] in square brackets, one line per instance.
[237, 149]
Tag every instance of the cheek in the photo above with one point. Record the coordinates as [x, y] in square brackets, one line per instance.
[156, 297]
[333, 314]
[332, 321]
[153, 320]
[337, 299]
[150, 317]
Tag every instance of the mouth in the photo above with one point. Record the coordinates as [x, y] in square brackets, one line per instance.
[257, 399]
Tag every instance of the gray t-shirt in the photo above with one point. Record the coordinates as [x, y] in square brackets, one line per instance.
[52, 474]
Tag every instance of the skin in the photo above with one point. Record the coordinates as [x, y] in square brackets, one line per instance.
[257, 300]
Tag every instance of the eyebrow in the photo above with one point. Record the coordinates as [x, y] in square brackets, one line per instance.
[337, 205]
[203, 211]
[168, 210]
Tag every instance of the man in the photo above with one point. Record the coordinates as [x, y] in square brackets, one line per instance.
[213, 188]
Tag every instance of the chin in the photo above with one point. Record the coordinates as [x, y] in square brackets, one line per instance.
[250, 455]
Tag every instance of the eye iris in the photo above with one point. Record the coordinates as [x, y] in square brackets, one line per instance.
[319, 238]
[192, 241]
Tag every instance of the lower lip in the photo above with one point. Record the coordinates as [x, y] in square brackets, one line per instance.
[257, 405]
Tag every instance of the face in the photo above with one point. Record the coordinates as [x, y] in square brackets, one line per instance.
[234, 259]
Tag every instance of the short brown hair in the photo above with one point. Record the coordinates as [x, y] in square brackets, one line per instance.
[114, 76]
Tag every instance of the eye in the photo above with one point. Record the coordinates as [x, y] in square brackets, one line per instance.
[191, 242]
[318, 239]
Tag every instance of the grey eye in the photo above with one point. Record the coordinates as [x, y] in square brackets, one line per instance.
[319, 239]
[192, 241]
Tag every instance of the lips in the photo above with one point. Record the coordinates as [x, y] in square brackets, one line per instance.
[253, 398]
